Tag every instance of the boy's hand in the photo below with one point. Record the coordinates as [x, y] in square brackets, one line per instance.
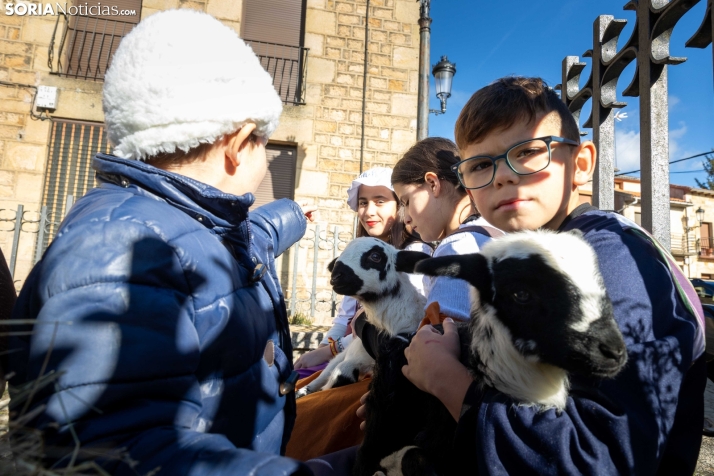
[362, 411]
[310, 211]
[433, 366]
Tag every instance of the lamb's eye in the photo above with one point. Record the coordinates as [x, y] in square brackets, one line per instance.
[521, 296]
[376, 257]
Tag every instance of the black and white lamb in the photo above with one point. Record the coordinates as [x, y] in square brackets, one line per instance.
[369, 270]
[539, 311]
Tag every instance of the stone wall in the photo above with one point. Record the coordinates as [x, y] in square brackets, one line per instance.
[326, 130]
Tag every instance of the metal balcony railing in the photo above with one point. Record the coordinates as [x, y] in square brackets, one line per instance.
[86, 46]
[683, 244]
[288, 67]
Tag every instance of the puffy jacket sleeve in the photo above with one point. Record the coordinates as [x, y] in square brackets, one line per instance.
[116, 324]
[643, 421]
[279, 224]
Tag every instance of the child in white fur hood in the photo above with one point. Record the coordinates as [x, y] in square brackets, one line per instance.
[180, 347]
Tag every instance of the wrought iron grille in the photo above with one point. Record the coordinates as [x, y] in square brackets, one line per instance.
[86, 46]
[288, 67]
[683, 245]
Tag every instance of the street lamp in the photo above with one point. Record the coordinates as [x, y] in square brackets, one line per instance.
[700, 219]
[443, 72]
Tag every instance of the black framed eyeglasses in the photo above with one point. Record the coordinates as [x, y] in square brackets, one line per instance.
[525, 158]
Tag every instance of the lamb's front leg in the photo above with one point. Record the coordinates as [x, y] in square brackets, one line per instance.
[319, 383]
[356, 362]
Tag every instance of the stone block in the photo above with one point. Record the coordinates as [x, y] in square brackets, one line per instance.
[15, 106]
[336, 41]
[406, 11]
[345, 79]
[327, 151]
[39, 31]
[198, 6]
[337, 91]
[351, 166]
[12, 118]
[355, 117]
[344, 7]
[344, 30]
[355, 44]
[357, 32]
[381, 60]
[384, 134]
[16, 61]
[400, 39]
[371, 131]
[346, 153]
[312, 183]
[346, 129]
[336, 141]
[23, 77]
[13, 33]
[225, 9]
[351, 103]
[379, 107]
[319, 4]
[29, 187]
[402, 139]
[15, 47]
[404, 104]
[341, 178]
[392, 25]
[407, 58]
[3, 31]
[25, 157]
[385, 49]
[37, 131]
[377, 144]
[315, 42]
[346, 19]
[378, 35]
[325, 126]
[80, 104]
[334, 53]
[9, 132]
[160, 4]
[395, 73]
[329, 165]
[357, 56]
[396, 85]
[414, 82]
[355, 93]
[378, 83]
[7, 178]
[373, 47]
[321, 139]
[374, 23]
[384, 13]
[390, 121]
[353, 142]
[331, 102]
[361, 10]
[320, 70]
[319, 21]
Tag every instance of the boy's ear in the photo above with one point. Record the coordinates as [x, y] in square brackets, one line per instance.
[406, 260]
[472, 268]
[237, 142]
[585, 162]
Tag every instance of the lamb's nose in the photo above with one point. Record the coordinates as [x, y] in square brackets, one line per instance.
[614, 353]
[335, 277]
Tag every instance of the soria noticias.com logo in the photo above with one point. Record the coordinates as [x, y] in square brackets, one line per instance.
[48, 9]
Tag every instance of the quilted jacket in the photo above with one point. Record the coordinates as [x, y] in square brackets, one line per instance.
[166, 340]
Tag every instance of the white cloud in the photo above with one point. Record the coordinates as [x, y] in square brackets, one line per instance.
[627, 147]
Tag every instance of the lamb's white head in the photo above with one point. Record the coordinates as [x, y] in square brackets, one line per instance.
[367, 269]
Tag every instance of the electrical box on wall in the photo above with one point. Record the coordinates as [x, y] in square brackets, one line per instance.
[46, 98]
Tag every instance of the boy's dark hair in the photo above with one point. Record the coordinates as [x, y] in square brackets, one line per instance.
[433, 154]
[506, 101]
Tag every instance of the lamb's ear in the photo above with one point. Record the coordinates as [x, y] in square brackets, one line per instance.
[331, 265]
[472, 268]
[406, 260]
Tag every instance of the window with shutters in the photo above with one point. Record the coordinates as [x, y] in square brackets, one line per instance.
[72, 146]
[275, 31]
[279, 182]
[90, 40]
[706, 239]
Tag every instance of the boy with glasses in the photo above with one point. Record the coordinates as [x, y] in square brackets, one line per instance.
[522, 168]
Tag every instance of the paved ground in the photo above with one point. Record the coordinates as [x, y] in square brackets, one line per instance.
[705, 467]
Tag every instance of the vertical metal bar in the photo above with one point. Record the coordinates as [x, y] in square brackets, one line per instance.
[364, 85]
[69, 201]
[293, 295]
[40, 247]
[603, 124]
[335, 241]
[424, 52]
[315, 250]
[16, 238]
[654, 131]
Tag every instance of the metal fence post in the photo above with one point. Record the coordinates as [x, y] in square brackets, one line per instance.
[16, 238]
[335, 241]
[293, 295]
[39, 249]
[315, 250]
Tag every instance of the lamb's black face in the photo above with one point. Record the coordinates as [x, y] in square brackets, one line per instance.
[543, 310]
[365, 270]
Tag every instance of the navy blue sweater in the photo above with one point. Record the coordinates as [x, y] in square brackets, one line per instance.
[648, 420]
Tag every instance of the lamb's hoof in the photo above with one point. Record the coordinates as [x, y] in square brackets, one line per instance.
[302, 392]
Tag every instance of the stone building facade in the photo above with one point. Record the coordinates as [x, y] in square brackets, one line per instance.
[324, 129]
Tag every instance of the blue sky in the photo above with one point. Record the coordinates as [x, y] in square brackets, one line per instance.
[488, 40]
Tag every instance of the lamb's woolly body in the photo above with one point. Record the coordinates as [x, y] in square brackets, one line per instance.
[505, 368]
[391, 303]
[181, 78]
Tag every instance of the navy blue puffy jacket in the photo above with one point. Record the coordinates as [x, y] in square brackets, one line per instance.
[164, 335]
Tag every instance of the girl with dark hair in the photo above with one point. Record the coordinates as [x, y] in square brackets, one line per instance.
[372, 197]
